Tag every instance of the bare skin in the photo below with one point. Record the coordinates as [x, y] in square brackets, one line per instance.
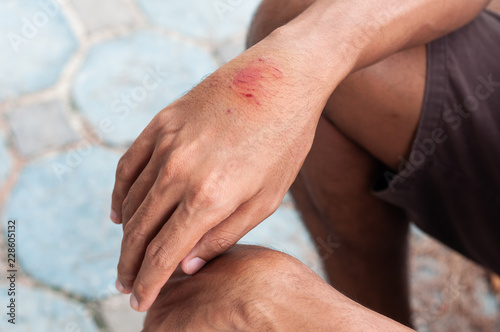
[218, 161]
[333, 189]
[250, 289]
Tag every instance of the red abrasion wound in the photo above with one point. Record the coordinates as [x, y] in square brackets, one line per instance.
[255, 80]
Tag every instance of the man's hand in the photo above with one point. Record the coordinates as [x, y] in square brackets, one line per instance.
[257, 289]
[210, 167]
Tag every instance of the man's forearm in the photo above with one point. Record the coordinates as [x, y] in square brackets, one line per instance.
[363, 32]
[318, 49]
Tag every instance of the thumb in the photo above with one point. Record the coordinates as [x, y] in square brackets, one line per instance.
[215, 242]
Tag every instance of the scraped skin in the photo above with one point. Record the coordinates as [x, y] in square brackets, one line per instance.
[253, 81]
[196, 179]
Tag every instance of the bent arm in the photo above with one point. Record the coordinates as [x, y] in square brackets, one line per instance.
[333, 38]
[364, 32]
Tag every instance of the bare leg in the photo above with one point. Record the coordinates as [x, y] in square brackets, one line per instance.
[371, 118]
[257, 289]
[333, 195]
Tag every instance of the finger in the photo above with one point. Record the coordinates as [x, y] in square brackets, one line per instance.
[146, 222]
[174, 241]
[139, 190]
[128, 169]
[220, 239]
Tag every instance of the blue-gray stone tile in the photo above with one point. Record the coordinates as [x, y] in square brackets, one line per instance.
[231, 50]
[36, 43]
[42, 311]
[98, 15]
[64, 236]
[39, 127]
[209, 20]
[125, 82]
[5, 160]
[119, 316]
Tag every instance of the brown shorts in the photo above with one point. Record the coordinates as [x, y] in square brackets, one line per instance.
[450, 183]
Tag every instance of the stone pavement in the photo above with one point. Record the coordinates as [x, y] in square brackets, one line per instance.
[80, 80]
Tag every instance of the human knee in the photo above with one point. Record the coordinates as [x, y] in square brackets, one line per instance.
[272, 14]
[256, 260]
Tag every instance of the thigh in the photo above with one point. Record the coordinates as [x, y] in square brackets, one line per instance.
[334, 193]
[450, 183]
[379, 107]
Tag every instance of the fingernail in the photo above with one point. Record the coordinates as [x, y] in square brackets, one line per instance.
[114, 217]
[194, 265]
[134, 303]
[119, 286]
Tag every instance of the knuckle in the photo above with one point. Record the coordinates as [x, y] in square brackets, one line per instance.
[156, 123]
[124, 274]
[223, 243]
[162, 122]
[140, 289]
[123, 170]
[116, 196]
[139, 183]
[132, 236]
[203, 197]
[274, 205]
[176, 162]
[164, 182]
[125, 202]
[126, 207]
[172, 170]
[158, 256]
[224, 240]
[169, 171]
[162, 148]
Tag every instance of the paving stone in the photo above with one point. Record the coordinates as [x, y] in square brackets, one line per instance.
[120, 317]
[125, 82]
[43, 311]
[3, 258]
[231, 50]
[449, 293]
[5, 159]
[65, 238]
[98, 15]
[284, 231]
[35, 44]
[39, 127]
[210, 20]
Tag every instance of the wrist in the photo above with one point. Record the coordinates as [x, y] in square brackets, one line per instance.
[313, 54]
[333, 36]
